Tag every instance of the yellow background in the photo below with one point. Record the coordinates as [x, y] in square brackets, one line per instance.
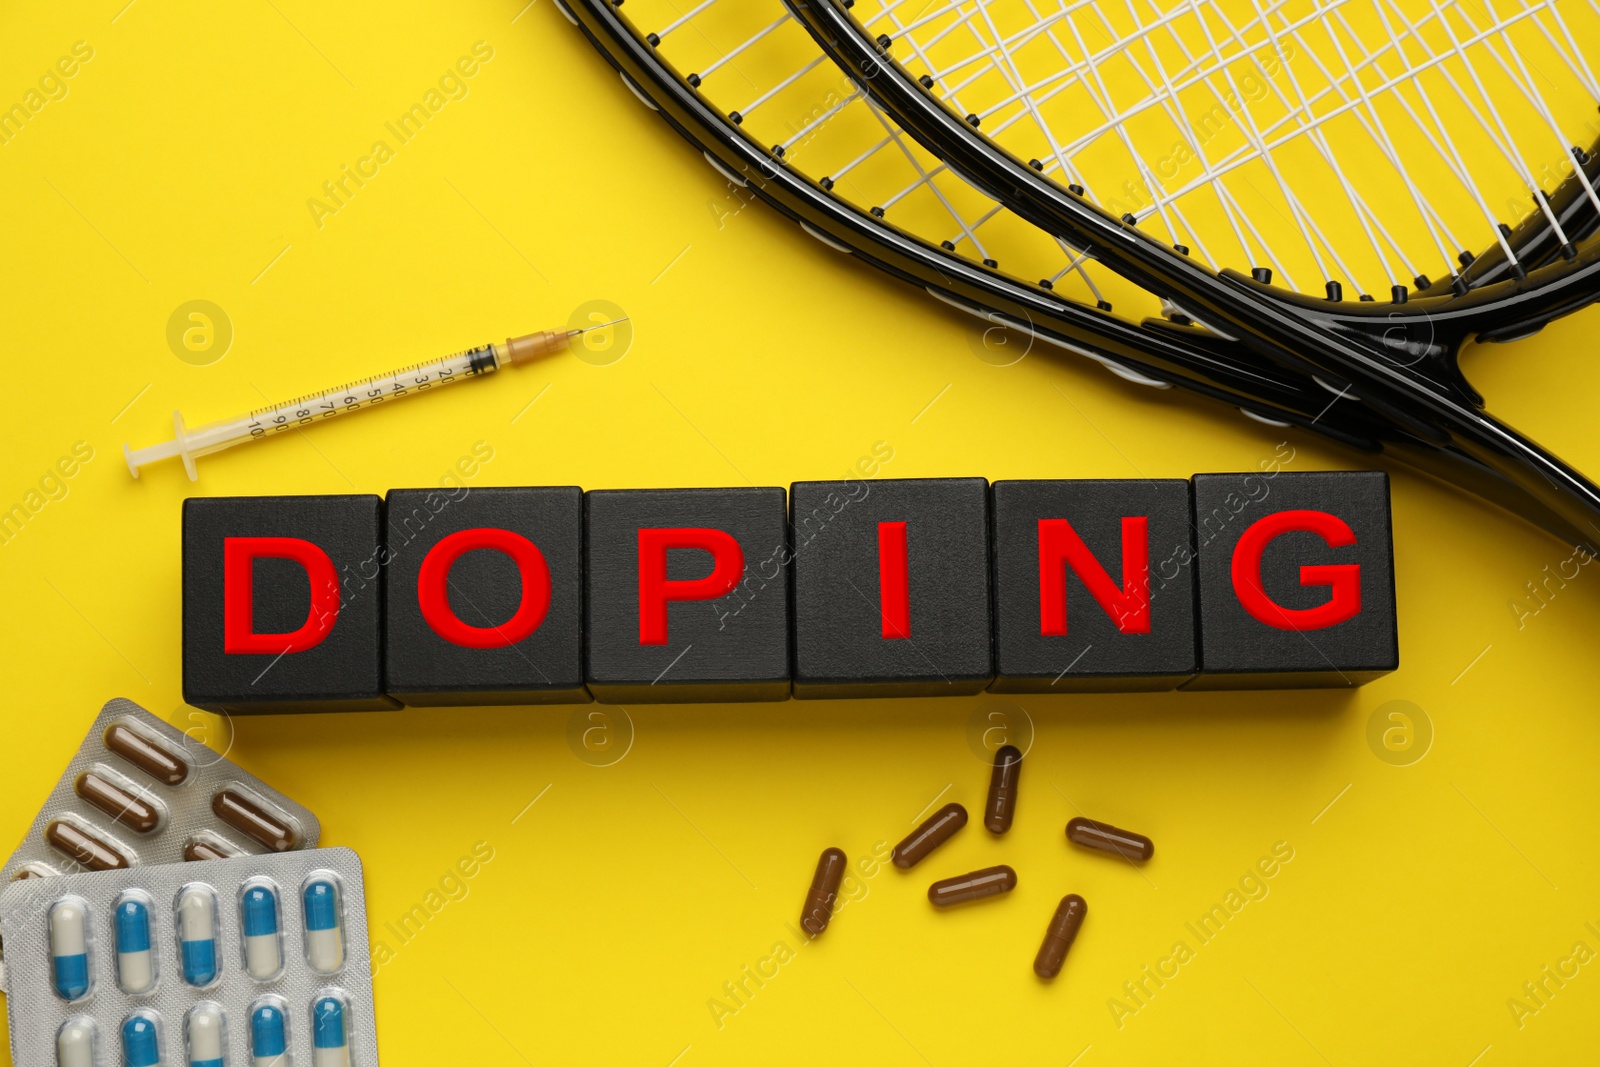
[178, 166]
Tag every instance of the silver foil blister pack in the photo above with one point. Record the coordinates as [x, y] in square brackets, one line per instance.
[259, 960]
[141, 792]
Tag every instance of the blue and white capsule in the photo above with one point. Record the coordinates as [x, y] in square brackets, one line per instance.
[75, 1043]
[324, 933]
[141, 1042]
[197, 935]
[263, 948]
[269, 1041]
[205, 1036]
[69, 948]
[330, 1042]
[136, 971]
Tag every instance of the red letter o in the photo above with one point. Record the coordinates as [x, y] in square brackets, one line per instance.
[433, 588]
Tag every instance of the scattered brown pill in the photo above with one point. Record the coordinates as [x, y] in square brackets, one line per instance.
[199, 848]
[934, 831]
[87, 849]
[823, 892]
[1108, 838]
[974, 886]
[1059, 935]
[248, 817]
[149, 757]
[125, 807]
[1003, 789]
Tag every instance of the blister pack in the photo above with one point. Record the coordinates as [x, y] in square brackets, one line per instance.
[141, 792]
[259, 960]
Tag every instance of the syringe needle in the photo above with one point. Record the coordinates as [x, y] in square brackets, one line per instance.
[603, 325]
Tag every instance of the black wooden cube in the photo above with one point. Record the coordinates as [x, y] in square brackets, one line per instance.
[1296, 576]
[687, 596]
[283, 604]
[1094, 587]
[484, 596]
[891, 587]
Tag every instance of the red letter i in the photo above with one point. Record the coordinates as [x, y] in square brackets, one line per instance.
[894, 589]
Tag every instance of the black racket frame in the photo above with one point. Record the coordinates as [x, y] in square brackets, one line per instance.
[1156, 349]
[1399, 358]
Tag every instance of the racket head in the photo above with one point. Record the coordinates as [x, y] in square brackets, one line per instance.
[1398, 359]
[986, 124]
[999, 298]
[740, 143]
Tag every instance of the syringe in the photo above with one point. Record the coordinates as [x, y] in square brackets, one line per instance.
[368, 392]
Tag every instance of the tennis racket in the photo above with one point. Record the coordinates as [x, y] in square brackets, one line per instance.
[744, 84]
[1352, 188]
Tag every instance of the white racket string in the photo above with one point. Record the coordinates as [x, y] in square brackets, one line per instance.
[1572, 55]
[1167, 96]
[923, 175]
[743, 47]
[1102, 95]
[805, 131]
[1371, 120]
[1458, 163]
[1075, 260]
[1093, 64]
[897, 138]
[1319, 142]
[1515, 158]
[1531, 90]
[1059, 153]
[1056, 82]
[683, 19]
[1239, 158]
[781, 86]
[1362, 96]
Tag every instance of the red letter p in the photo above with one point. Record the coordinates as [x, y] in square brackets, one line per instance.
[654, 588]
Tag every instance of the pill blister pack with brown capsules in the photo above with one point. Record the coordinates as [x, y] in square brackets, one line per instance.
[253, 960]
[990, 882]
[140, 792]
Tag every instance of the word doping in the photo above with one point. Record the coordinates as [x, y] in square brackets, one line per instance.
[908, 587]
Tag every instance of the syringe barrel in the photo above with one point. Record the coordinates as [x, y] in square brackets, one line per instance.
[368, 392]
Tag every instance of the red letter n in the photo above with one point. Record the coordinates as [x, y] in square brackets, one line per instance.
[1060, 547]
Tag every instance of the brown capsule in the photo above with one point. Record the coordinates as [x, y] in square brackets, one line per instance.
[934, 831]
[824, 891]
[974, 886]
[1108, 838]
[125, 807]
[204, 848]
[248, 817]
[1003, 789]
[150, 757]
[82, 846]
[1059, 935]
